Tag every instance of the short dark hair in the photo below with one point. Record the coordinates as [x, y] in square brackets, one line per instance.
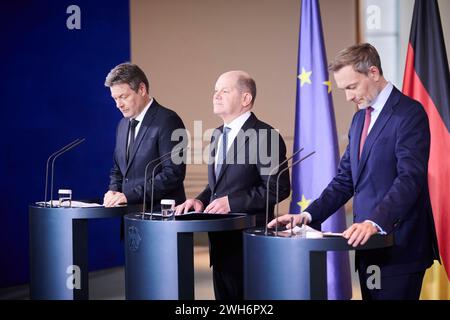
[247, 84]
[360, 56]
[127, 73]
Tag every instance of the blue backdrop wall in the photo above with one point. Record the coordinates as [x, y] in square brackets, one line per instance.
[52, 92]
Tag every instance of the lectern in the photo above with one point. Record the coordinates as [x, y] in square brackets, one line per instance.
[292, 267]
[159, 254]
[58, 250]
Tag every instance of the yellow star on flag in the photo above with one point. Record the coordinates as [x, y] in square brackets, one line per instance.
[304, 203]
[304, 77]
[328, 84]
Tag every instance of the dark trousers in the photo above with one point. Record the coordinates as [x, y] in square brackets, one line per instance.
[228, 285]
[399, 287]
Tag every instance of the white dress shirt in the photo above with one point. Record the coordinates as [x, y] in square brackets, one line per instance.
[235, 126]
[378, 104]
[140, 118]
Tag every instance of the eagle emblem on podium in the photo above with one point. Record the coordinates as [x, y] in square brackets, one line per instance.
[134, 238]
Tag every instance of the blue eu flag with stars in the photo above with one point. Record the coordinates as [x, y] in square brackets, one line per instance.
[315, 130]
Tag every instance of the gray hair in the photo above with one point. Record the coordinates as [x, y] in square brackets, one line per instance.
[127, 73]
[247, 84]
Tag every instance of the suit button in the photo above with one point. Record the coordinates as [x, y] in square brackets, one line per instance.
[215, 194]
[126, 179]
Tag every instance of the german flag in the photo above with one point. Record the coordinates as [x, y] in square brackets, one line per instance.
[427, 80]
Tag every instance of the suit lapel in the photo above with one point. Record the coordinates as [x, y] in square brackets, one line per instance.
[146, 123]
[238, 143]
[212, 164]
[377, 128]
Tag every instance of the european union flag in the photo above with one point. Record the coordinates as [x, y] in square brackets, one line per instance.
[315, 130]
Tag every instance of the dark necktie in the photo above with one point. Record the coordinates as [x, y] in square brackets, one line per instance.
[222, 151]
[132, 132]
[365, 129]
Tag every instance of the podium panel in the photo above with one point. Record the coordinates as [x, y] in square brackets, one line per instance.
[59, 249]
[159, 254]
[292, 268]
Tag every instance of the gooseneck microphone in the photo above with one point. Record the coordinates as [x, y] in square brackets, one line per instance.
[53, 166]
[278, 181]
[268, 181]
[161, 160]
[153, 186]
[54, 156]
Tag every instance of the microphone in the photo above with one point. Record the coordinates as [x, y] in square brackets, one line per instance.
[267, 185]
[144, 205]
[76, 143]
[278, 181]
[56, 153]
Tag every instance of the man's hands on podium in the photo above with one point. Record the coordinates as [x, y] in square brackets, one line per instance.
[359, 233]
[114, 198]
[356, 234]
[189, 204]
[219, 205]
[285, 220]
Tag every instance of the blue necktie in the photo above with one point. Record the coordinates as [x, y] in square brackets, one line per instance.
[222, 151]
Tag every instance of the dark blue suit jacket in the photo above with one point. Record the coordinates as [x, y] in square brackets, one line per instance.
[388, 185]
[244, 181]
[152, 141]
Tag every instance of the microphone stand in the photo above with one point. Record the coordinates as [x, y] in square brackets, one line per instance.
[268, 181]
[53, 167]
[153, 187]
[144, 204]
[277, 186]
[54, 156]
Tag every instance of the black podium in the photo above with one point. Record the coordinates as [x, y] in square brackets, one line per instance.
[292, 268]
[58, 250]
[159, 254]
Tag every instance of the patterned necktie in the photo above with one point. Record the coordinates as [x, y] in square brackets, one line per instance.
[365, 129]
[132, 132]
[222, 151]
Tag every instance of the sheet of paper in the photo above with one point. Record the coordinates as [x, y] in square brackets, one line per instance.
[305, 231]
[74, 204]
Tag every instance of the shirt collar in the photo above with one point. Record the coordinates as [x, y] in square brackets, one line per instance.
[382, 97]
[237, 123]
[141, 115]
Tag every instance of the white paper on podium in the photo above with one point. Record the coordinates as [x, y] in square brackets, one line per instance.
[74, 204]
[310, 233]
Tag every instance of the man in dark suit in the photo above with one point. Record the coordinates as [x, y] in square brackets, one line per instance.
[384, 169]
[237, 182]
[143, 135]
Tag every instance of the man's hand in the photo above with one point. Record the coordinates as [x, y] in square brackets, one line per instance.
[219, 205]
[359, 233]
[187, 205]
[302, 218]
[114, 198]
